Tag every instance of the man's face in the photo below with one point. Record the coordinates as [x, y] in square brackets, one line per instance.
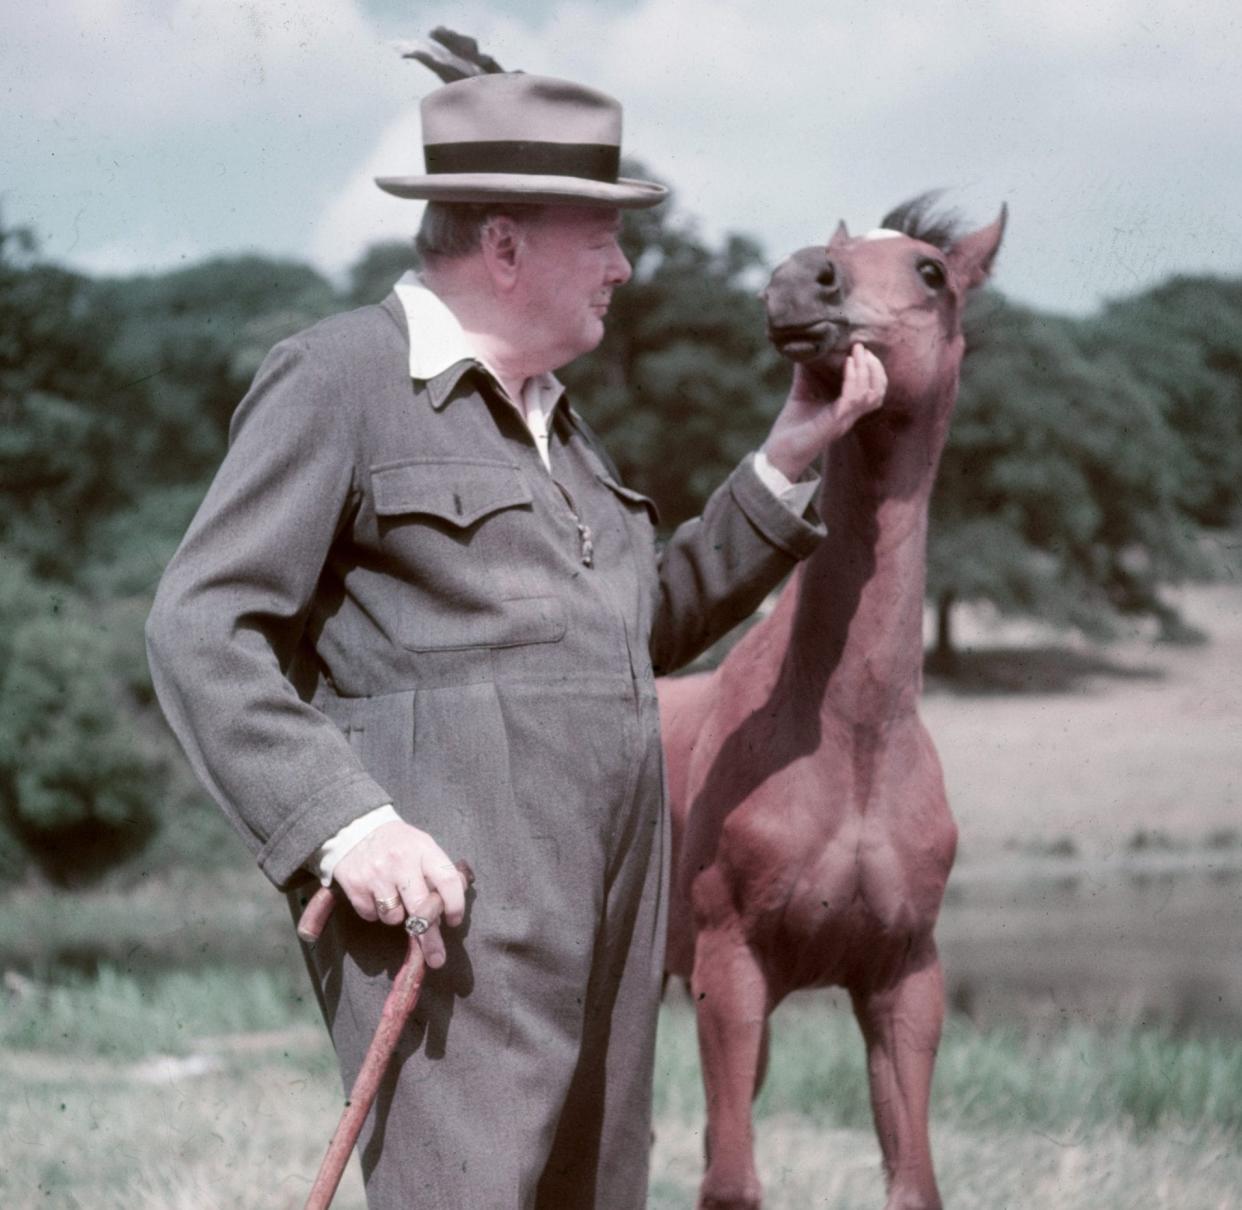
[570, 264]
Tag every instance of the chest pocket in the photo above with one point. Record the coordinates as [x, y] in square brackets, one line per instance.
[634, 503]
[459, 492]
[459, 534]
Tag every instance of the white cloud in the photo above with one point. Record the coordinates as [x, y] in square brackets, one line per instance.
[1110, 127]
[361, 213]
[142, 252]
[142, 66]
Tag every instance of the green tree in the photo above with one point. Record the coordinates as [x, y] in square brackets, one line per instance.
[63, 442]
[80, 789]
[194, 338]
[1185, 338]
[1060, 488]
[377, 269]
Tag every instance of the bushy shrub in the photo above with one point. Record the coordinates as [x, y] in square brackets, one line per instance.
[79, 789]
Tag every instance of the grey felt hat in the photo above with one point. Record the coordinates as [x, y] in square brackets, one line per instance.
[511, 137]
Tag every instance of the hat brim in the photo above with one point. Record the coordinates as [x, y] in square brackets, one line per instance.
[626, 194]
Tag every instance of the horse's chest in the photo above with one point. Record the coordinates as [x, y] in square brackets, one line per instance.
[867, 875]
[857, 904]
[861, 874]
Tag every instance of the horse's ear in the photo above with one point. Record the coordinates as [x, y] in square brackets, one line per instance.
[970, 259]
[840, 235]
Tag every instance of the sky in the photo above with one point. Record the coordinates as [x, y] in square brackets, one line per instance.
[138, 135]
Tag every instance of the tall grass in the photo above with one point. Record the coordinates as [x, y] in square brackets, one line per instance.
[1078, 1118]
[1140, 1079]
[180, 918]
[118, 1016]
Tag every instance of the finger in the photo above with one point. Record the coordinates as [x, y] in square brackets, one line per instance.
[444, 878]
[431, 942]
[875, 382]
[879, 379]
[432, 945]
[849, 380]
[362, 901]
[414, 891]
[390, 906]
[865, 396]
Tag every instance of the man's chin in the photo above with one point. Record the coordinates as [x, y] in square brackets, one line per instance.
[593, 333]
[588, 341]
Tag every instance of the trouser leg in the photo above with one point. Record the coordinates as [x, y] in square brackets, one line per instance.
[524, 1076]
[466, 1111]
[600, 1156]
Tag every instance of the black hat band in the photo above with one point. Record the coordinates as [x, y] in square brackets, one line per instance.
[589, 161]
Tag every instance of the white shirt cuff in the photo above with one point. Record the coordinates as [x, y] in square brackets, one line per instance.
[335, 847]
[794, 496]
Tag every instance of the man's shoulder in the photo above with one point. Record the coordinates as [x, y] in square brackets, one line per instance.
[345, 366]
[358, 340]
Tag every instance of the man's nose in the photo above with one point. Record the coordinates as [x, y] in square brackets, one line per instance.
[620, 270]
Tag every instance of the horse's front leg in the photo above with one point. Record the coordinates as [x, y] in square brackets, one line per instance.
[732, 1004]
[901, 1023]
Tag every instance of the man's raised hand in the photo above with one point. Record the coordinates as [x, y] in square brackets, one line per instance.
[808, 421]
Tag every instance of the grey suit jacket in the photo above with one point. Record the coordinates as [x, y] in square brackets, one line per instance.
[376, 548]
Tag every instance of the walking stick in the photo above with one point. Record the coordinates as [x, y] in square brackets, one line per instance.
[396, 1011]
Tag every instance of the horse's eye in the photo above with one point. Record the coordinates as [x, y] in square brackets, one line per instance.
[932, 273]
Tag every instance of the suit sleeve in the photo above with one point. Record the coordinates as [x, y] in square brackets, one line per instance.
[232, 606]
[718, 567]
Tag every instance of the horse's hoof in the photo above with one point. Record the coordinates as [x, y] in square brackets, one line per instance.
[913, 1201]
[741, 1195]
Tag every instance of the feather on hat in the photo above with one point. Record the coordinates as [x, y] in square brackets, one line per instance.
[491, 135]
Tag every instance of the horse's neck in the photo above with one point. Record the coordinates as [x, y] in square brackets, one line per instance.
[855, 613]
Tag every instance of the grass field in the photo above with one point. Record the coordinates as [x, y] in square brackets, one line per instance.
[159, 1049]
[177, 1091]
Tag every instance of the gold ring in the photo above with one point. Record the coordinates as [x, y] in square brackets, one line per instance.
[387, 905]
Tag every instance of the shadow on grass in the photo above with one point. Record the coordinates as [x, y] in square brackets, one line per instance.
[1004, 670]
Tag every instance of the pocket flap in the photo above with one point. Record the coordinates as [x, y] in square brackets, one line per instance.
[460, 491]
[631, 496]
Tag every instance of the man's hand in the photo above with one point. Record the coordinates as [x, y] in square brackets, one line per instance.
[400, 862]
[808, 422]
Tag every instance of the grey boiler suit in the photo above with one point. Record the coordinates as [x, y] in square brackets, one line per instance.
[384, 598]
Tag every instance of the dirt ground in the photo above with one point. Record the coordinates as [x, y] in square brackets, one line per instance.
[1099, 745]
[805, 1166]
[1098, 794]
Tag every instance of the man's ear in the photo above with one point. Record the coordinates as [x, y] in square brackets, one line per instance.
[501, 242]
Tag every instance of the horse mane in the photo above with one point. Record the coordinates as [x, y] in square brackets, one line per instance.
[923, 219]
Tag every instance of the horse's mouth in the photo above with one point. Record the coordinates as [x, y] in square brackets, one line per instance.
[806, 342]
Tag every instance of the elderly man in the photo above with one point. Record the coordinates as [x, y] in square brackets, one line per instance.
[418, 616]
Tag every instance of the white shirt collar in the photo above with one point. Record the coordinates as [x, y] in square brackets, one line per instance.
[437, 341]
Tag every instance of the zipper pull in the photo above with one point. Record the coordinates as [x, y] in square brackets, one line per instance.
[586, 547]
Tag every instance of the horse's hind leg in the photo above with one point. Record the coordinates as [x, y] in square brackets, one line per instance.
[901, 1023]
[731, 1001]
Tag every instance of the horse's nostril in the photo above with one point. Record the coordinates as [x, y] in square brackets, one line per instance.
[827, 277]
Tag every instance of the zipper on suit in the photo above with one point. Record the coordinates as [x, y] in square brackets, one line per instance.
[586, 547]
